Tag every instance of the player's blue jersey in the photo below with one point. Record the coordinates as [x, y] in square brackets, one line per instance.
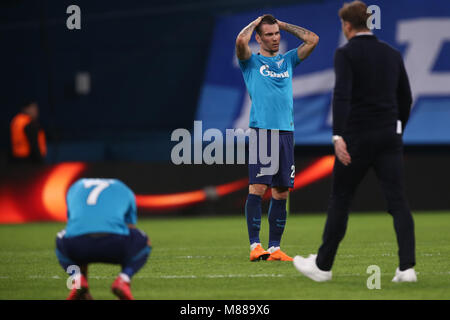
[269, 84]
[100, 206]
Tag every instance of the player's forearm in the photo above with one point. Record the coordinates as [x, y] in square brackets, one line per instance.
[246, 34]
[243, 51]
[303, 34]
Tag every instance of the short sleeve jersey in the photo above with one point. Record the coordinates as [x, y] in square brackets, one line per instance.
[269, 84]
[100, 206]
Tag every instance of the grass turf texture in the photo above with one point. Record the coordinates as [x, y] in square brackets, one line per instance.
[208, 258]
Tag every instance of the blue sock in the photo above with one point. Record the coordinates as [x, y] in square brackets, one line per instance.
[277, 221]
[137, 262]
[253, 215]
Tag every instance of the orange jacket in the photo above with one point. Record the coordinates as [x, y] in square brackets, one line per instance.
[20, 142]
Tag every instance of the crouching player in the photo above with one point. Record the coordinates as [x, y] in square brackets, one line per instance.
[101, 228]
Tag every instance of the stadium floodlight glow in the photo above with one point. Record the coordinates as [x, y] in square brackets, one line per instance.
[56, 186]
[48, 199]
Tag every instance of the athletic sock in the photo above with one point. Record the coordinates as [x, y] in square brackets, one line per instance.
[273, 249]
[137, 262]
[125, 277]
[277, 221]
[253, 215]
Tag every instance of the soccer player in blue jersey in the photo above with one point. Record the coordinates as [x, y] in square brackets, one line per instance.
[268, 77]
[101, 227]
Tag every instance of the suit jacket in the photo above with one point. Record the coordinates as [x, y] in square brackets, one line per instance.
[372, 88]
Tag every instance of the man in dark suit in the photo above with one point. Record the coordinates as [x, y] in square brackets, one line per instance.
[371, 106]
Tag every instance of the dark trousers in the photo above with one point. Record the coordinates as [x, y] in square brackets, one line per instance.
[130, 251]
[382, 150]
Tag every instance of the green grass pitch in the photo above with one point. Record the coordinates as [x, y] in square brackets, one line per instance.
[208, 258]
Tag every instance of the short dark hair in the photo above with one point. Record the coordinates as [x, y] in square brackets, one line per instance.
[356, 13]
[267, 19]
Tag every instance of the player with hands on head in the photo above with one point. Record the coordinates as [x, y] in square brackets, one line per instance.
[268, 78]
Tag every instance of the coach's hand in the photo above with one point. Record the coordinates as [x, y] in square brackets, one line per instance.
[340, 149]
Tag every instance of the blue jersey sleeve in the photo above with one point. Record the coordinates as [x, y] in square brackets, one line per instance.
[246, 66]
[67, 203]
[292, 57]
[131, 215]
[70, 196]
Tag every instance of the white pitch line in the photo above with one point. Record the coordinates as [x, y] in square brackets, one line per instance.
[219, 276]
[195, 257]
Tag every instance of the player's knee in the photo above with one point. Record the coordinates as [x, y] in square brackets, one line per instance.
[257, 189]
[280, 193]
[147, 240]
[142, 236]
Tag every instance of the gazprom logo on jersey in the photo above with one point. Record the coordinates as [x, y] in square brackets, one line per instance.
[264, 70]
[235, 139]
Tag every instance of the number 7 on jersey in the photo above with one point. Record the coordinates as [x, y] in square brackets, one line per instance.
[99, 185]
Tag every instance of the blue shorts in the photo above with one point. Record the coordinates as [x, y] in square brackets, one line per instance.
[284, 176]
[103, 248]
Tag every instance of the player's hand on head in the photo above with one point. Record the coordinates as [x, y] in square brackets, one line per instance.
[257, 20]
[340, 149]
[281, 24]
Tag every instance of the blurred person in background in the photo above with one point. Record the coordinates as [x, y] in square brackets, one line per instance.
[28, 142]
